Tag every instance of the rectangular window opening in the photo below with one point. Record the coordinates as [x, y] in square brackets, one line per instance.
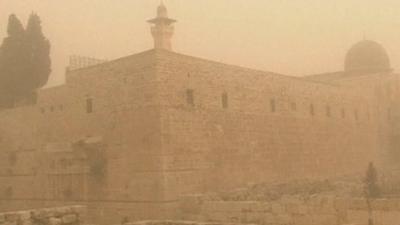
[293, 106]
[328, 111]
[356, 114]
[312, 110]
[190, 97]
[89, 105]
[225, 103]
[272, 105]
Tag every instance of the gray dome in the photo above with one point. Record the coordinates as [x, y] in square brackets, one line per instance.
[367, 57]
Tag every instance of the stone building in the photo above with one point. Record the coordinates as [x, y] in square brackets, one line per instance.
[131, 135]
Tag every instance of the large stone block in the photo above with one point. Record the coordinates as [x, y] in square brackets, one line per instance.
[284, 218]
[10, 223]
[69, 218]
[266, 207]
[55, 221]
[357, 217]
[277, 208]
[12, 216]
[303, 220]
[268, 218]
[24, 215]
[324, 219]
[358, 204]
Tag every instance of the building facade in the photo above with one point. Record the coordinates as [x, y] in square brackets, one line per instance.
[132, 135]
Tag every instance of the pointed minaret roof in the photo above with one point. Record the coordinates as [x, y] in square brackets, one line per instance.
[162, 29]
[162, 15]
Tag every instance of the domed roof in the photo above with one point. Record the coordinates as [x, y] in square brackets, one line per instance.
[367, 57]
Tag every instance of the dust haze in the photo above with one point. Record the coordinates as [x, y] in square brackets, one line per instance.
[199, 112]
[268, 35]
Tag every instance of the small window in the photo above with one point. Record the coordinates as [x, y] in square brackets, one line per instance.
[12, 158]
[68, 194]
[293, 106]
[343, 113]
[356, 115]
[312, 110]
[389, 89]
[8, 192]
[272, 104]
[89, 105]
[225, 103]
[190, 97]
[328, 111]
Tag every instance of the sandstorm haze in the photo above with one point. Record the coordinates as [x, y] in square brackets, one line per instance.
[294, 37]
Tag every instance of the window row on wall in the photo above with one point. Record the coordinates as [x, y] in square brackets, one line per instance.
[327, 110]
[51, 109]
[312, 109]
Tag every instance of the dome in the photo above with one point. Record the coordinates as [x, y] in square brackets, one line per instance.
[367, 57]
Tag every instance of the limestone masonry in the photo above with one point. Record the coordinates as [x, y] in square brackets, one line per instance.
[68, 215]
[293, 210]
[128, 137]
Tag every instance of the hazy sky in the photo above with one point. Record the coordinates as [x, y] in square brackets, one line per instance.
[294, 37]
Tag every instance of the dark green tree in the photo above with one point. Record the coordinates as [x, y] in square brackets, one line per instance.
[25, 63]
[13, 62]
[371, 189]
[371, 186]
[39, 52]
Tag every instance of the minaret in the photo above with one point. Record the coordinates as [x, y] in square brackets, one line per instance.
[162, 29]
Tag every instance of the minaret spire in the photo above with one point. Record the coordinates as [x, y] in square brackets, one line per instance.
[162, 29]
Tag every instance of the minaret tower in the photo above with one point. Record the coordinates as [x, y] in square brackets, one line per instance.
[162, 29]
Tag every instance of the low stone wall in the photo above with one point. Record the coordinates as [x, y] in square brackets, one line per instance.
[176, 222]
[68, 215]
[315, 210]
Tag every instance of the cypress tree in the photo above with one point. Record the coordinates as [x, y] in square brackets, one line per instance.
[13, 61]
[372, 189]
[39, 50]
[24, 61]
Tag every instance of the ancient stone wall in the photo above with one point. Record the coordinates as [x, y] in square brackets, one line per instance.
[68, 215]
[157, 125]
[176, 222]
[292, 210]
[113, 107]
[270, 128]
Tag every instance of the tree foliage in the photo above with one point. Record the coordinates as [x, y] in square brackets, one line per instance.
[11, 61]
[24, 61]
[39, 49]
[371, 186]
